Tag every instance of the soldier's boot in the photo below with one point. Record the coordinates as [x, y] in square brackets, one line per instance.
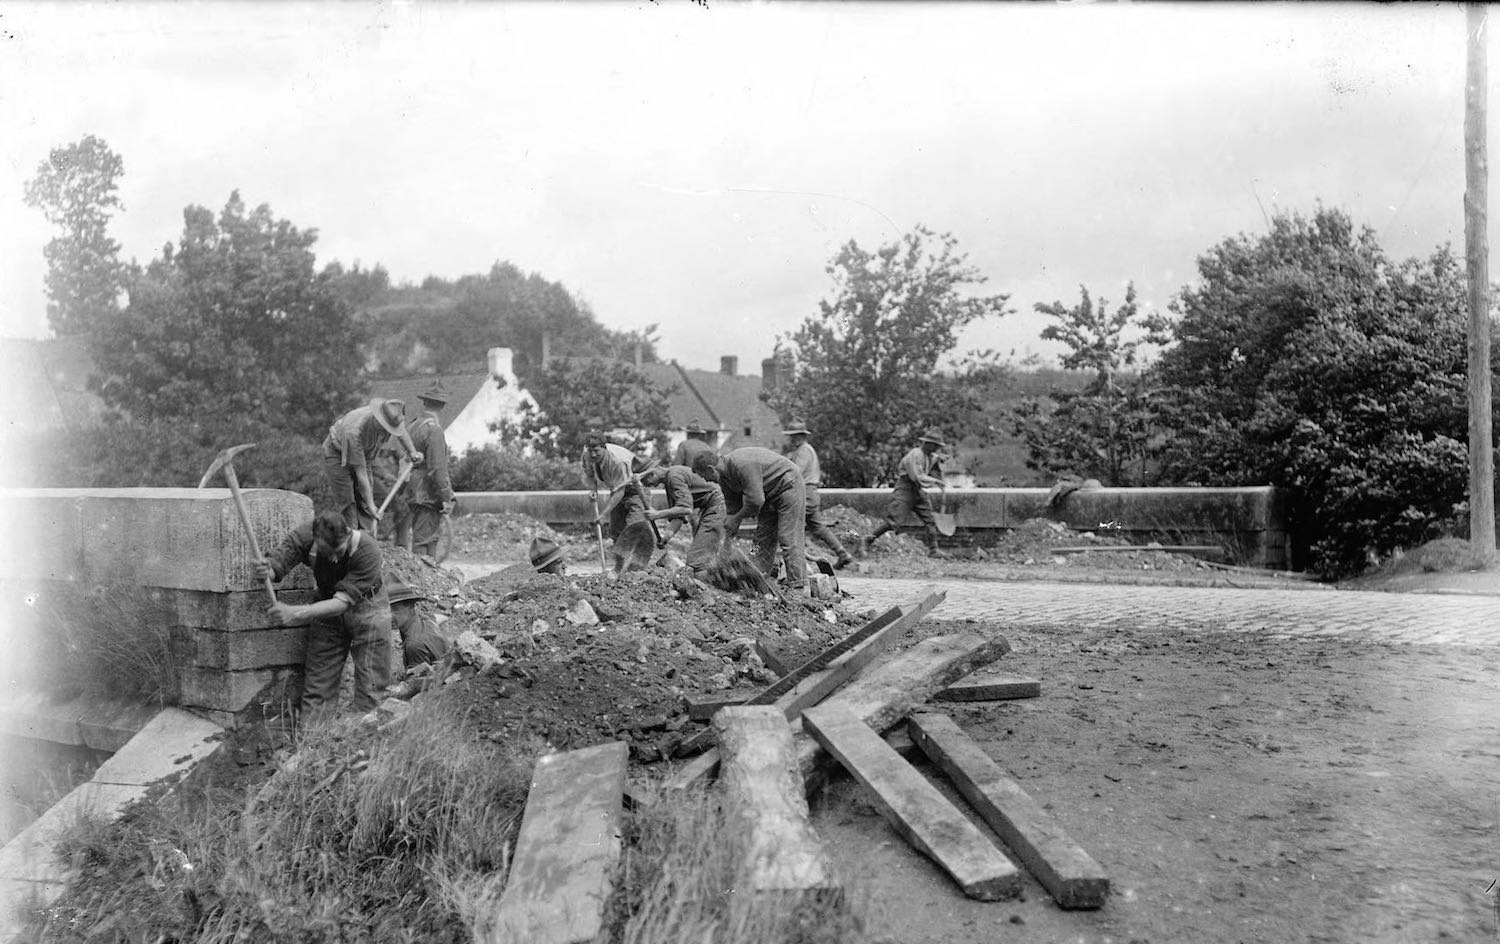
[864, 543]
[932, 544]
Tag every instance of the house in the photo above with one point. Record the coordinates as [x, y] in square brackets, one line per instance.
[478, 399]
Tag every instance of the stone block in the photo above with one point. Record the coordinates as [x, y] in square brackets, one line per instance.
[109, 726]
[181, 538]
[236, 692]
[34, 715]
[236, 610]
[271, 647]
[170, 743]
[823, 587]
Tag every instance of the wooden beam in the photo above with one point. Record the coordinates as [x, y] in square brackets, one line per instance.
[912, 805]
[1070, 875]
[704, 707]
[783, 855]
[769, 657]
[566, 852]
[819, 685]
[900, 683]
[990, 688]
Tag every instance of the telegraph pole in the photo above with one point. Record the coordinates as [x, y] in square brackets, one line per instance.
[1476, 242]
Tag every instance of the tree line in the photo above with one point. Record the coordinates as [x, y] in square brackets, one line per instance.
[1302, 357]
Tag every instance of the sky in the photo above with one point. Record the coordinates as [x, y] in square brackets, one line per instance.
[697, 167]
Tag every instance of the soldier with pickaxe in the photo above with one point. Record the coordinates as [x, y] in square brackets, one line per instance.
[351, 617]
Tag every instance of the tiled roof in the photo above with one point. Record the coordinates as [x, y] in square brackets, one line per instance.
[461, 389]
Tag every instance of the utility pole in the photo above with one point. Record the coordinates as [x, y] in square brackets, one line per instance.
[1476, 242]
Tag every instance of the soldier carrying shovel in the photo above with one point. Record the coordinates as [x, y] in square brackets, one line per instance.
[921, 468]
[351, 448]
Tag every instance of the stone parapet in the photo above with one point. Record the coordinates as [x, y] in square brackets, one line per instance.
[1249, 522]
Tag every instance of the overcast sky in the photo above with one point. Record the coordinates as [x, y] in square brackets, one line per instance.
[697, 168]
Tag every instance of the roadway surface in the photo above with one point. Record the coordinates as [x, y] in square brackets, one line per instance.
[1469, 620]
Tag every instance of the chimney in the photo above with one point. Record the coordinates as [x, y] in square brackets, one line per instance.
[768, 376]
[729, 364]
[546, 347]
[500, 366]
[637, 355]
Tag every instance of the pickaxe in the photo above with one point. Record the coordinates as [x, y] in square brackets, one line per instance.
[406, 465]
[225, 461]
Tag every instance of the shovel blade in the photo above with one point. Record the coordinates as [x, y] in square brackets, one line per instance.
[946, 524]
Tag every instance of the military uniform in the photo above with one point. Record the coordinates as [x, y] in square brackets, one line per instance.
[757, 481]
[431, 488]
[361, 632]
[805, 458]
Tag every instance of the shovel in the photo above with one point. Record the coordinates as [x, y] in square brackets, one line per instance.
[400, 481]
[946, 523]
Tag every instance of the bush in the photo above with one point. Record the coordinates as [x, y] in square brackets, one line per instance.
[494, 468]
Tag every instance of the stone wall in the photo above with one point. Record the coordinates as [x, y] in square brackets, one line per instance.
[1249, 523]
[174, 563]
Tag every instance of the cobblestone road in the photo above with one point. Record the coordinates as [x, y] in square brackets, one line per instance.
[1389, 617]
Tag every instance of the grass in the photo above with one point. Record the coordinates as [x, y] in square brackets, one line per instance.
[110, 641]
[397, 836]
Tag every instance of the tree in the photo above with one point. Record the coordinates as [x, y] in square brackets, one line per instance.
[863, 370]
[1102, 431]
[574, 397]
[233, 322]
[1306, 359]
[75, 188]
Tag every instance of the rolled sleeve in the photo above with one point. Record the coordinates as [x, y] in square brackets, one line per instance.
[679, 491]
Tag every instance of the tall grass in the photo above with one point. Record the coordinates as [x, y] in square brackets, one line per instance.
[358, 838]
[679, 883]
[109, 641]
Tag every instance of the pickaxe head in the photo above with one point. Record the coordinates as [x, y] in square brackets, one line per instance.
[221, 460]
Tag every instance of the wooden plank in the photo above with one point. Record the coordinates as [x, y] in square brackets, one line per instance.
[990, 688]
[900, 683]
[896, 615]
[762, 792]
[1070, 875]
[704, 707]
[916, 808]
[769, 657]
[563, 869]
[820, 685]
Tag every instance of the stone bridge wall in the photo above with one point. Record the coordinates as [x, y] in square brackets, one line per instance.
[180, 558]
[1249, 523]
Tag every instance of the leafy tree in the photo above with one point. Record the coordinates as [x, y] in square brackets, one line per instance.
[574, 396]
[234, 321]
[1102, 431]
[863, 371]
[1307, 359]
[443, 326]
[75, 188]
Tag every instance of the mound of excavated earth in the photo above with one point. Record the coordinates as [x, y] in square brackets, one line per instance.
[586, 659]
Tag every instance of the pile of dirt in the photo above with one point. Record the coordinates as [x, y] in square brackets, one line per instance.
[590, 659]
[420, 573]
[851, 526]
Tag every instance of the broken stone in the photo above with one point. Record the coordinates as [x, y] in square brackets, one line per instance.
[581, 614]
[475, 651]
[540, 627]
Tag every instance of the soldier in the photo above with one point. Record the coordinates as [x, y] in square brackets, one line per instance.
[805, 458]
[352, 615]
[432, 494]
[920, 468]
[350, 449]
[690, 498]
[695, 445]
[757, 481]
[614, 468]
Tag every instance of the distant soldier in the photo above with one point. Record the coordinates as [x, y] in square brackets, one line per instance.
[695, 445]
[921, 468]
[759, 482]
[351, 618]
[805, 458]
[690, 499]
[349, 451]
[431, 489]
[385, 468]
[607, 466]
